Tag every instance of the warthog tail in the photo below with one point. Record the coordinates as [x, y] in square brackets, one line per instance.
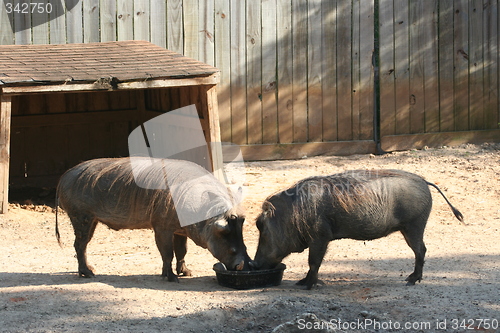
[455, 211]
[58, 235]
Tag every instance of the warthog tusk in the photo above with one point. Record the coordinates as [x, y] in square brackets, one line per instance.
[240, 266]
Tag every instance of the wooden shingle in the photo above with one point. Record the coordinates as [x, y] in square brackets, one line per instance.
[124, 61]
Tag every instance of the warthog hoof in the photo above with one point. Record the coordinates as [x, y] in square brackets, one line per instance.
[412, 278]
[171, 277]
[308, 284]
[181, 269]
[86, 272]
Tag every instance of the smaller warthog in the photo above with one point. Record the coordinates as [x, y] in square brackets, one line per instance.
[360, 204]
[107, 191]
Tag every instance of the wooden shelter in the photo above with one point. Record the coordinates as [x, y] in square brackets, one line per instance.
[62, 104]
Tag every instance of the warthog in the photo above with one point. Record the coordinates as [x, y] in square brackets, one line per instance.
[360, 204]
[106, 191]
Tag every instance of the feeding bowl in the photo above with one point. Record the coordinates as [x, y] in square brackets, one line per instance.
[249, 279]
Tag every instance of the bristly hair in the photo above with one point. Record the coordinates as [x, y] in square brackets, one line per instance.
[346, 191]
[140, 185]
[115, 176]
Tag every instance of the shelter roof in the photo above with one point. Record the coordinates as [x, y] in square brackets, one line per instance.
[115, 62]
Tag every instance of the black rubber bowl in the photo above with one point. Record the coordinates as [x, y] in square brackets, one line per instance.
[249, 279]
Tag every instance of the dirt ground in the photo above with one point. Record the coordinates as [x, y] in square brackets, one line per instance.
[363, 282]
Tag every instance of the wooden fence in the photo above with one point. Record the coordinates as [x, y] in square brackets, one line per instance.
[298, 76]
[438, 72]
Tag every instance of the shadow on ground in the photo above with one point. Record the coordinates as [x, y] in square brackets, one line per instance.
[352, 290]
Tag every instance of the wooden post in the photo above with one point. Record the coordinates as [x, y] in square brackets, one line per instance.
[5, 110]
[214, 128]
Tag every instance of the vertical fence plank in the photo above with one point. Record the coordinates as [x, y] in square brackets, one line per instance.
[223, 63]
[401, 61]
[430, 59]
[6, 32]
[40, 23]
[108, 20]
[355, 63]
[206, 32]
[254, 72]
[91, 24]
[329, 69]
[125, 16]
[446, 70]
[491, 69]
[158, 23]
[141, 20]
[269, 72]
[284, 64]
[344, 73]
[74, 23]
[238, 73]
[387, 68]
[57, 23]
[175, 40]
[191, 29]
[366, 74]
[416, 66]
[314, 74]
[299, 72]
[461, 65]
[476, 63]
[22, 37]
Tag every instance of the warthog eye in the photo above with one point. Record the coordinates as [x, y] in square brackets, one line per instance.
[258, 223]
[222, 226]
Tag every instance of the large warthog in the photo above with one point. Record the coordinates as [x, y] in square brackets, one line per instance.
[360, 204]
[106, 191]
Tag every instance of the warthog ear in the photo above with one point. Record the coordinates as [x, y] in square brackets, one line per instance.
[236, 193]
[268, 209]
[221, 225]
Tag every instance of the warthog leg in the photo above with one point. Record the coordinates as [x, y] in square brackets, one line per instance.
[414, 238]
[165, 243]
[317, 251]
[180, 249]
[84, 227]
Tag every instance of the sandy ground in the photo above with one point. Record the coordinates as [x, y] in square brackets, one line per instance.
[363, 282]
